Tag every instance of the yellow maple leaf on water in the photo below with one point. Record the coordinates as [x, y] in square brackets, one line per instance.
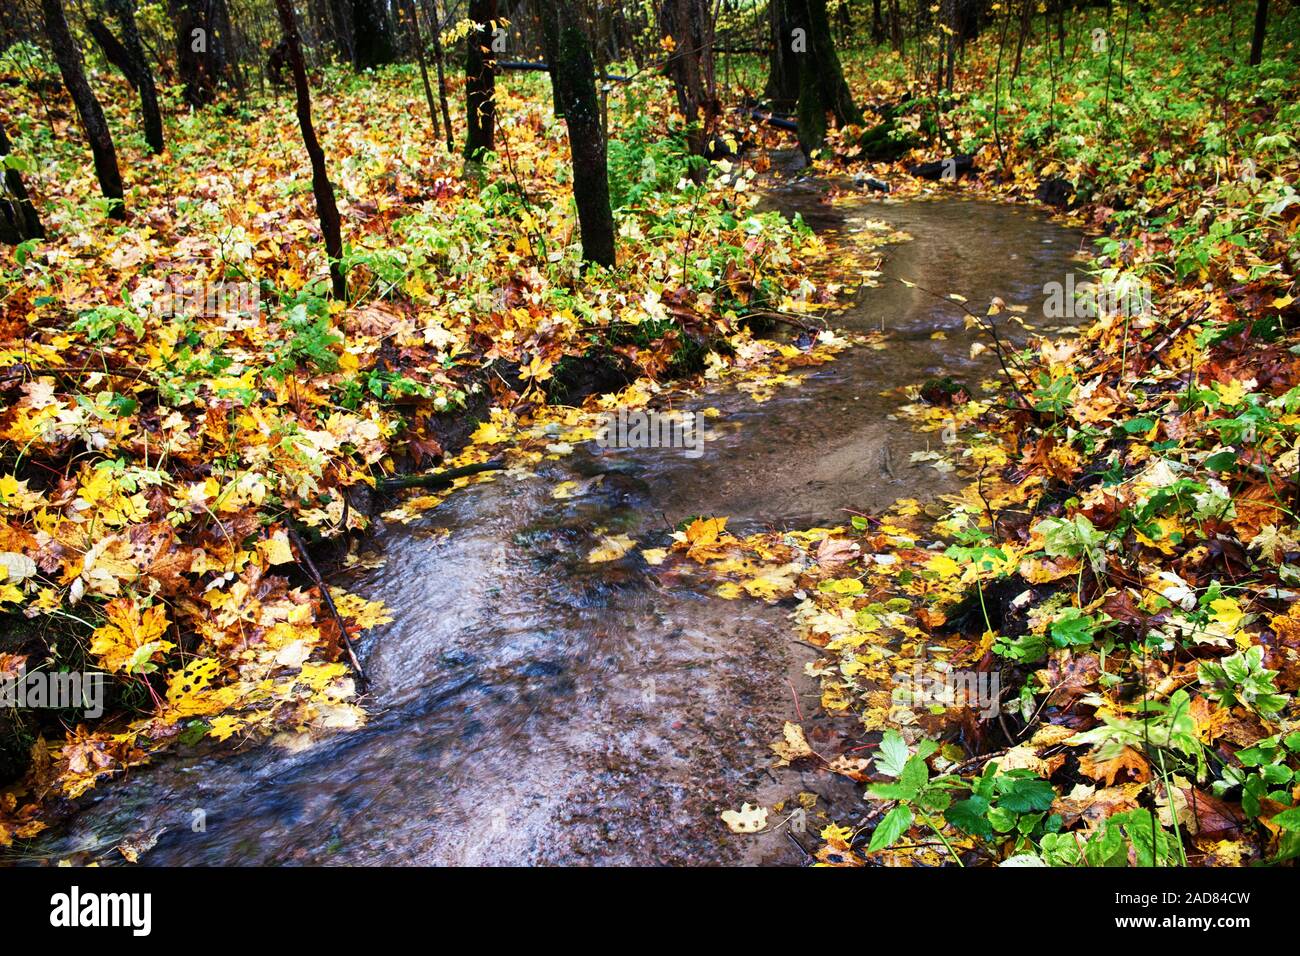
[706, 538]
[745, 820]
[793, 745]
[226, 726]
[563, 490]
[610, 548]
[131, 640]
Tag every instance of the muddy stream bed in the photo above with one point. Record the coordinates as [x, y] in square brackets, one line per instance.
[531, 708]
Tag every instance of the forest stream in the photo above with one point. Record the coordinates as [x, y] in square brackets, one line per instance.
[530, 707]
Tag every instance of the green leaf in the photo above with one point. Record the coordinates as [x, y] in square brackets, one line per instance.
[1073, 627]
[971, 815]
[1223, 461]
[893, 754]
[1025, 794]
[1288, 819]
[915, 773]
[896, 823]
[892, 791]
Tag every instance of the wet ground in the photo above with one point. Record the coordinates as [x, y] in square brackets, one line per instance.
[532, 708]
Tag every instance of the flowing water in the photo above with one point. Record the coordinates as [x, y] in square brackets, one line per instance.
[532, 708]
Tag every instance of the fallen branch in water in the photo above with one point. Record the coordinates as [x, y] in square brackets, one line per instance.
[329, 599]
[439, 479]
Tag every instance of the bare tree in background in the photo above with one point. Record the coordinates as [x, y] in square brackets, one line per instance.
[372, 42]
[822, 88]
[18, 219]
[326, 208]
[782, 89]
[480, 81]
[438, 59]
[202, 36]
[1257, 38]
[574, 77]
[689, 24]
[93, 122]
[128, 55]
[414, 17]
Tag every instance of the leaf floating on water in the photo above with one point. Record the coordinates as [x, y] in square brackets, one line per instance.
[745, 820]
[611, 548]
[564, 490]
[793, 745]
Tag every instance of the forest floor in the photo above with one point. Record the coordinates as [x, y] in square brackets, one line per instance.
[1123, 558]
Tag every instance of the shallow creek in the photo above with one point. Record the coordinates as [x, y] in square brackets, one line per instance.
[532, 708]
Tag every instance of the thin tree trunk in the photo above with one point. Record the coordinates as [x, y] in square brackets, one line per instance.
[229, 55]
[782, 89]
[200, 48]
[480, 81]
[372, 44]
[123, 12]
[341, 17]
[689, 24]
[68, 58]
[321, 187]
[439, 59]
[424, 70]
[573, 74]
[18, 219]
[1261, 26]
[1026, 22]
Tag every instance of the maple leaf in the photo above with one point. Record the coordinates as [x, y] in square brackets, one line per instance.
[793, 745]
[745, 820]
[186, 688]
[1127, 759]
[610, 548]
[131, 641]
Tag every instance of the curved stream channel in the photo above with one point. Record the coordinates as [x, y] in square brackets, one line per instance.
[531, 708]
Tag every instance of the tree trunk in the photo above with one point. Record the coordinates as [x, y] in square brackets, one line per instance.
[112, 49]
[372, 43]
[18, 219]
[690, 64]
[200, 48]
[341, 22]
[68, 58]
[1257, 39]
[480, 81]
[822, 88]
[129, 57]
[321, 187]
[782, 90]
[439, 59]
[574, 78]
[877, 23]
[424, 70]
